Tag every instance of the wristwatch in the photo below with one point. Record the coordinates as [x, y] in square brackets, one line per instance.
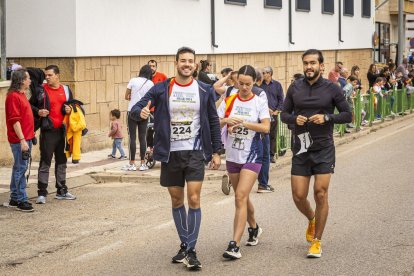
[326, 117]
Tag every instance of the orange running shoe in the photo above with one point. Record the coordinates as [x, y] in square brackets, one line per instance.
[310, 232]
[315, 250]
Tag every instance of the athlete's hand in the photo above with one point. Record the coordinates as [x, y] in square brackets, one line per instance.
[145, 112]
[232, 121]
[317, 119]
[215, 162]
[301, 120]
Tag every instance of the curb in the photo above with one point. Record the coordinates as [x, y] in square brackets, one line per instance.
[210, 175]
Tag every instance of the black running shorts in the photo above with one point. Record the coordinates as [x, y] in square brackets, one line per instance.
[314, 162]
[185, 165]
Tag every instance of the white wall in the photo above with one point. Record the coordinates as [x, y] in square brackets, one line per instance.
[40, 28]
[157, 27]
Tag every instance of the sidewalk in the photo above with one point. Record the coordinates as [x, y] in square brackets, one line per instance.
[95, 167]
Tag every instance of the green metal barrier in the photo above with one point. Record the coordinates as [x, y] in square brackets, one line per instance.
[403, 103]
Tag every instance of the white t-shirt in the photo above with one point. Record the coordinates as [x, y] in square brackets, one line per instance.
[139, 87]
[245, 146]
[185, 117]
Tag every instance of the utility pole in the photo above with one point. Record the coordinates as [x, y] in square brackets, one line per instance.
[401, 31]
[3, 38]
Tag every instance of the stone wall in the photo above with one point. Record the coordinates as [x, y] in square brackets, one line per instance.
[100, 82]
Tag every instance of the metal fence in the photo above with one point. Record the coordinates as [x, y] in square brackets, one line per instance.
[376, 107]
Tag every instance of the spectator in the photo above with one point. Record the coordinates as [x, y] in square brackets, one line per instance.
[20, 132]
[37, 77]
[349, 93]
[204, 74]
[274, 93]
[116, 134]
[343, 76]
[372, 75]
[156, 76]
[136, 89]
[333, 75]
[52, 136]
[355, 72]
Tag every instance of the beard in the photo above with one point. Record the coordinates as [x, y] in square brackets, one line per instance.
[314, 76]
[185, 74]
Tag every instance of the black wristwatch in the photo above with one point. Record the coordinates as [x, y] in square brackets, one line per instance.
[327, 118]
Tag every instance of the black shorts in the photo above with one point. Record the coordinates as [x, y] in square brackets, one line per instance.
[184, 165]
[314, 162]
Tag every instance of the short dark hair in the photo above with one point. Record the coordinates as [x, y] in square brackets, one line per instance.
[116, 113]
[379, 79]
[145, 72]
[152, 61]
[352, 78]
[226, 70]
[183, 50]
[248, 70]
[313, 52]
[55, 69]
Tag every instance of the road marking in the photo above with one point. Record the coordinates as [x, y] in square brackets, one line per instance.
[225, 201]
[97, 252]
[164, 225]
[376, 140]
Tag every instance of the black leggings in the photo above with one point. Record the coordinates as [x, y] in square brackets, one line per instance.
[142, 133]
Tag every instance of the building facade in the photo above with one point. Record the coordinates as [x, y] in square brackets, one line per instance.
[101, 44]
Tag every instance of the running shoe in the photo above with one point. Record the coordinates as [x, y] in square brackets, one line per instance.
[41, 200]
[310, 232]
[225, 184]
[232, 252]
[25, 207]
[143, 167]
[12, 203]
[181, 255]
[191, 260]
[66, 196]
[315, 250]
[254, 234]
[265, 189]
[129, 167]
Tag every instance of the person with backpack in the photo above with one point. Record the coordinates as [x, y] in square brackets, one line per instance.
[51, 109]
[247, 118]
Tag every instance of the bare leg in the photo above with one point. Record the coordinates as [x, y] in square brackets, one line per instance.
[300, 189]
[321, 198]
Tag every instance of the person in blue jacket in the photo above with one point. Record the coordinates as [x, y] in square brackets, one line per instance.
[187, 135]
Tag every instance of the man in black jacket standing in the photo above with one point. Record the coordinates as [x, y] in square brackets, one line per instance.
[309, 105]
[48, 105]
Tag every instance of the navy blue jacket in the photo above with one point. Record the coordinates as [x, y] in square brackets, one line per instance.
[274, 93]
[209, 121]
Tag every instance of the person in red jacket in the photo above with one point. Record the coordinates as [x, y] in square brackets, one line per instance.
[20, 132]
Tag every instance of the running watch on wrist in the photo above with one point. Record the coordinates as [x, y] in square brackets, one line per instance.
[326, 117]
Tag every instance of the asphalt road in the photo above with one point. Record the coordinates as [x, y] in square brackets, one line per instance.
[127, 228]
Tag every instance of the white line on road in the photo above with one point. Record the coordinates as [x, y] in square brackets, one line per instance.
[404, 128]
[97, 252]
[164, 225]
[225, 201]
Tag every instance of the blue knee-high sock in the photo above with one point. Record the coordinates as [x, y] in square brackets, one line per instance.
[180, 219]
[194, 221]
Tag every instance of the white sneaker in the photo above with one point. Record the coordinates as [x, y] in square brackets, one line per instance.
[129, 167]
[143, 167]
[41, 200]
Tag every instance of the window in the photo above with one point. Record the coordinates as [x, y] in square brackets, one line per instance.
[275, 4]
[349, 7]
[328, 6]
[236, 2]
[303, 5]
[366, 8]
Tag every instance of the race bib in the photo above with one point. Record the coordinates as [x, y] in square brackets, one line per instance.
[242, 133]
[305, 142]
[182, 130]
